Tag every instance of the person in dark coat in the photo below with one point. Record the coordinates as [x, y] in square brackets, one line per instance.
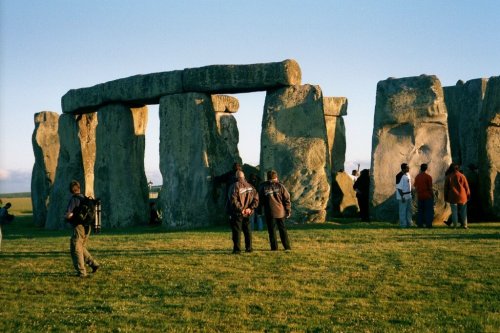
[243, 200]
[362, 188]
[275, 200]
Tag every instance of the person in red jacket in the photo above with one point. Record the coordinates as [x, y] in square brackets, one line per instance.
[457, 193]
[425, 196]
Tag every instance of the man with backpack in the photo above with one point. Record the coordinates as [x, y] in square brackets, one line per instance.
[81, 232]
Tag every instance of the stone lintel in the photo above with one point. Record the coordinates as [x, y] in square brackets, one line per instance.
[139, 90]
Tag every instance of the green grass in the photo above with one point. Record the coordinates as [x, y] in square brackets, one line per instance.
[339, 277]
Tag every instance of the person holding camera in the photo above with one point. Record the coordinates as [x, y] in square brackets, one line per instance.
[81, 233]
[243, 200]
[275, 199]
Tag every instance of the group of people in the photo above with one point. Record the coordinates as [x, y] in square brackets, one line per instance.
[456, 193]
[245, 202]
[242, 204]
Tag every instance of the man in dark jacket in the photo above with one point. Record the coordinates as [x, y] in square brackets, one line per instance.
[243, 200]
[277, 207]
[78, 243]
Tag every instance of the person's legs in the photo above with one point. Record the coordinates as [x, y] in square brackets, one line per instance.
[236, 234]
[87, 257]
[283, 234]
[247, 232]
[271, 229]
[429, 212]
[409, 213]
[454, 214]
[77, 249]
[421, 210]
[402, 213]
[463, 215]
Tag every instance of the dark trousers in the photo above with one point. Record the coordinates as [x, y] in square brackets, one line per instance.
[239, 224]
[425, 213]
[363, 207]
[271, 229]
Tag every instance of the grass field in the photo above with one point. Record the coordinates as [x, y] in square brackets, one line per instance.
[339, 277]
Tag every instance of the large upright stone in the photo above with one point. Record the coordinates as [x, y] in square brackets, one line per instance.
[69, 167]
[191, 152]
[334, 109]
[410, 126]
[464, 103]
[241, 78]
[489, 149]
[45, 141]
[294, 143]
[136, 90]
[120, 181]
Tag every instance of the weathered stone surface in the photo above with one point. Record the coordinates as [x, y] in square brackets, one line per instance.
[137, 90]
[410, 127]
[224, 103]
[241, 78]
[489, 149]
[120, 180]
[227, 128]
[45, 141]
[335, 106]
[69, 167]
[344, 201]
[464, 104]
[191, 152]
[87, 136]
[294, 143]
[334, 109]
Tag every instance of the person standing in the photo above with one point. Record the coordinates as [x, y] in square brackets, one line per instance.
[243, 200]
[362, 188]
[5, 218]
[425, 196]
[457, 193]
[78, 242]
[403, 195]
[255, 219]
[275, 200]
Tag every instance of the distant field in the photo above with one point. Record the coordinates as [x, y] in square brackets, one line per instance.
[21, 205]
[341, 276]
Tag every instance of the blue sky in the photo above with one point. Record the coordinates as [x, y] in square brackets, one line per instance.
[345, 47]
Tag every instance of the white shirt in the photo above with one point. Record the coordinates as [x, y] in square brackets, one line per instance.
[405, 186]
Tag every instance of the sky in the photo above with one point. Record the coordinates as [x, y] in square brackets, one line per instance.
[49, 47]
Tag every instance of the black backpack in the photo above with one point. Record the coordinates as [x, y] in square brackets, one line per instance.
[84, 213]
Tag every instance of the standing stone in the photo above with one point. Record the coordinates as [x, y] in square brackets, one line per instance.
[489, 149]
[120, 180]
[227, 128]
[334, 109]
[87, 136]
[464, 103]
[45, 143]
[191, 152]
[69, 167]
[344, 201]
[294, 143]
[410, 126]
[241, 78]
